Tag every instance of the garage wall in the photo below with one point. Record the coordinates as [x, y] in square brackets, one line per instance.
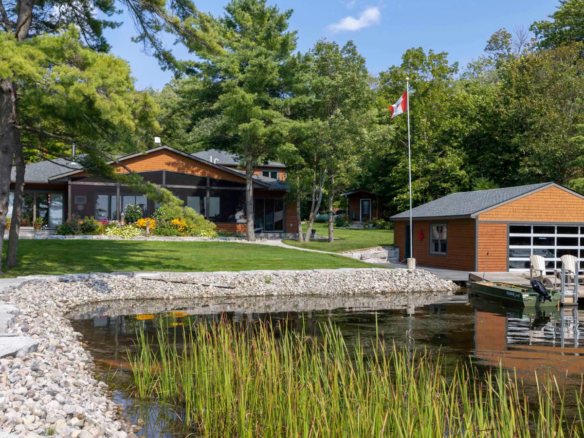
[493, 240]
[549, 205]
[461, 244]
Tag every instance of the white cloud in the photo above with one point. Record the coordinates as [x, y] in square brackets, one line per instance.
[369, 17]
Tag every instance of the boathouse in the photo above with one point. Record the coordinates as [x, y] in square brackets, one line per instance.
[510, 224]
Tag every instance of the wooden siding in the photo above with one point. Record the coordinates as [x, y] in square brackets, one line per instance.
[493, 240]
[548, 205]
[354, 206]
[169, 160]
[232, 227]
[461, 244]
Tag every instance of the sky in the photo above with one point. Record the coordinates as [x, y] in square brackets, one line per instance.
[382, 30]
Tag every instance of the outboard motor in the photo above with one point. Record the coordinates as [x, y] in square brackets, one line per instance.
[538, 286]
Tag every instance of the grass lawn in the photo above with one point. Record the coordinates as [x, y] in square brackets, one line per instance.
[85, 256]
[347, 239]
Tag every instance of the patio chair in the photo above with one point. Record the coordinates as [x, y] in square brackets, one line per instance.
[571, 270]
[537, 268]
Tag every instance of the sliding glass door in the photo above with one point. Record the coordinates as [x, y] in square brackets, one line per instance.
[269, 214]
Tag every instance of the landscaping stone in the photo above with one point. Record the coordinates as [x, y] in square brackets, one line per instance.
[43, 391]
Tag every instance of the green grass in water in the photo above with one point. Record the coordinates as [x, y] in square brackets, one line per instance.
[263, 382]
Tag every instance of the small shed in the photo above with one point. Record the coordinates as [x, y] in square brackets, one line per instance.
[362, 205]
[510, 224]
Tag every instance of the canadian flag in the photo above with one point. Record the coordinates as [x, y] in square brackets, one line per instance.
[400, 107]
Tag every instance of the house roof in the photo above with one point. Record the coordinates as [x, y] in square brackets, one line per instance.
[468, 204]
[268, 183]
[224, 158]
[358, 191]
[43, 170]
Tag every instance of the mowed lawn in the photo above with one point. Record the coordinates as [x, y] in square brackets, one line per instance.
[85, 256]
[346, 240]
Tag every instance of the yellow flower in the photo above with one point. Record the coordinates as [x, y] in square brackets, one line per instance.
[144, 317]
[178, 314]
[174, 324]
[142, 223]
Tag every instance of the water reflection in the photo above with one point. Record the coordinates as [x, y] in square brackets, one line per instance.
[462, 329]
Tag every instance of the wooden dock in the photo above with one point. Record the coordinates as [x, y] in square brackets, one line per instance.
[502, 277]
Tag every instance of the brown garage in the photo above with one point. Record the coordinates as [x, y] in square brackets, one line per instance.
[511, 224]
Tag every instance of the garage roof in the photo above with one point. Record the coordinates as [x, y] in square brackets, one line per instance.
[467, 204]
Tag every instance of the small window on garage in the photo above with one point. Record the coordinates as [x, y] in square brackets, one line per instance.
[439, 239]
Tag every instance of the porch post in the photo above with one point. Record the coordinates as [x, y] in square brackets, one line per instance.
[208, 198]
[69, 201]
[34, 207]
[118, 202]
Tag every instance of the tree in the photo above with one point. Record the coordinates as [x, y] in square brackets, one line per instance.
[566, 25]
[26, 27]
[248, 85]
[438, 126]
[344, 100]
[543, 93]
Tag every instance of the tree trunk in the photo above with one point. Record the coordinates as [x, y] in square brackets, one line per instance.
[314, 208]
[7, 134]
[12, 254]
[298, 205]
[331, 232]
[249, 199]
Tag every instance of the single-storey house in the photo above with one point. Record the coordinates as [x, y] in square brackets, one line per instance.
[509, 225]
[57, 189]
[362, 205]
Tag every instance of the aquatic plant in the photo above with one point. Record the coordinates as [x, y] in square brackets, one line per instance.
[270, 382]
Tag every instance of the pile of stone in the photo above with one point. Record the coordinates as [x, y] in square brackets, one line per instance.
[378, 254]
[51, 390]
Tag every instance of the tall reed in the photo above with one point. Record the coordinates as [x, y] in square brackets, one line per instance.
[251, 383]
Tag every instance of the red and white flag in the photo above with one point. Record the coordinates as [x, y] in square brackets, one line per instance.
[400, 107]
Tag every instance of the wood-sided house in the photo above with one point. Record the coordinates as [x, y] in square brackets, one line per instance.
[57, 189]
[510, 224]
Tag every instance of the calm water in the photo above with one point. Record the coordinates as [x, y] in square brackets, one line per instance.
[461, 328]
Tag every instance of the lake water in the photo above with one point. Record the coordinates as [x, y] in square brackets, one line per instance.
[461, 328]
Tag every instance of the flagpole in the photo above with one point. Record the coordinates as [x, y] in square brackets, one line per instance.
[410, 169]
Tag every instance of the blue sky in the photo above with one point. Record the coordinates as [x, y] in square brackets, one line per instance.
[382, 30]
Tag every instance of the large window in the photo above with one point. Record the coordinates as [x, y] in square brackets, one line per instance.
[224, 205]
[439, 239]
[106, 207]
[269, 214]
[549, 241]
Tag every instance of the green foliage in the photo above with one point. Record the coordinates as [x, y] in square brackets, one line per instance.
[133, 213]
[382, 224]
[125, 232]
[566, 25]
[187, 222]
[342, 222]
[77, 226]
[484, 184]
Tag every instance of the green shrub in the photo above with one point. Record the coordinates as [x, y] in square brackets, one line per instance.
[125, 232]
[382, 224]
[187, 222]
[342, 222]
[70, 227]
[133, 213]
[166, 231]
[90, 226]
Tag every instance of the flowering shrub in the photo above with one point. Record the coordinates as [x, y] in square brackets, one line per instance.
[142, 223]
[179, 221]
[126, 232]
[133, 213]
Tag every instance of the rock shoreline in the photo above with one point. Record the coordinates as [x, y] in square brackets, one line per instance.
[53, 390]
